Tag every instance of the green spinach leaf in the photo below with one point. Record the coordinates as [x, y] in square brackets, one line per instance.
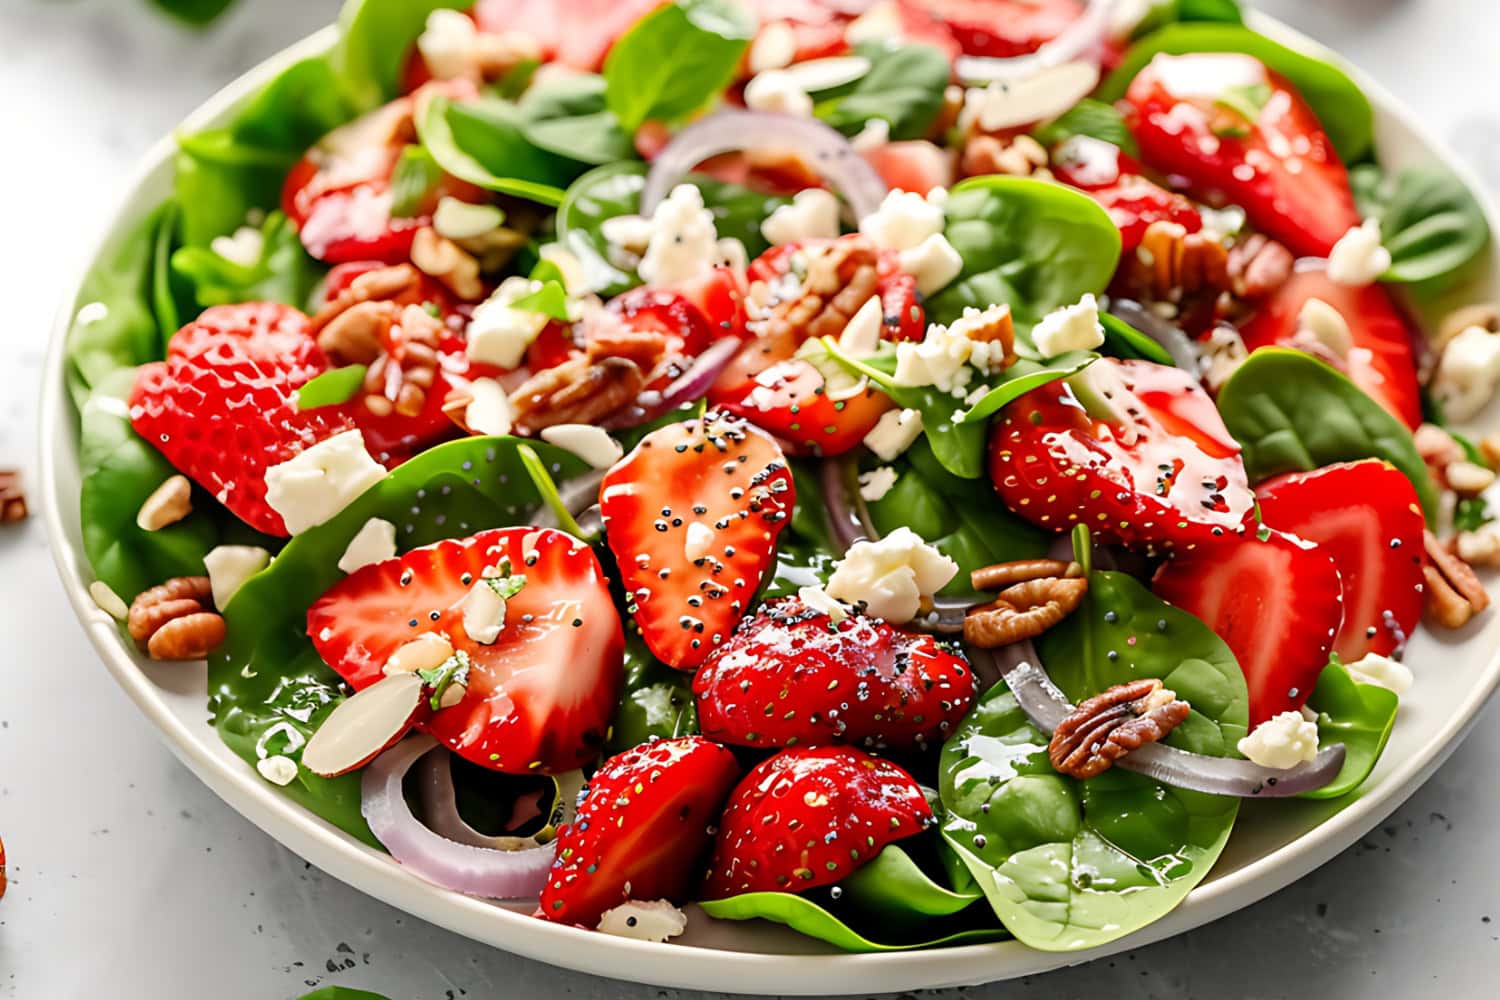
[657, 703]
[904, 88]
[567, 115]
[1290, 412]
[675, 60]
[1429, 220]
[1092, 118]
[284, 273]
[1340, 105]
[1360, 716]
[375, 39]
[484, 142]
[1164, 12]
[806, 550]
[413, 178]
[335, 386]
[1121, 340]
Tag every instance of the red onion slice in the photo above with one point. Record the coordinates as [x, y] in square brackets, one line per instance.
[1046, 706]
[825, 149]
[440, 807]
[692, 384]
[465, 868]
[847, 514]
[1081, 39]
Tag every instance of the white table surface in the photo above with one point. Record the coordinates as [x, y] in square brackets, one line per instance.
[130, 880]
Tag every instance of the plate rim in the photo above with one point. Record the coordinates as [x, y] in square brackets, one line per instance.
[694, 967]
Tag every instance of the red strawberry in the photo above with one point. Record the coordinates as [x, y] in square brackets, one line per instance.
[912, 165]
[715, 484]
[1159, 469]
[1005, 28]
[790, 399]
[1366, 516]
[682, 326]
[791, 677]
[541, 696]
[222, 409]
[643, 826]
[1275, 601]
[1236, 131]
[809, 817]
[1118, 184]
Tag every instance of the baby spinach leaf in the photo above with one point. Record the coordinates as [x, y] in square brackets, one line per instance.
[412, 179]
[1291, 412]
[550, 300]
[657, 703]
[119, 470]
[1121, 340]
[1360, 716]
[1429, 220]
[567, 115]
[375, 38]
[483, 142]
[1071, 864]
[163, 288]
[1341, 107]
[890, 904]
[1024, 376]
[267, 682]
[675, 60]
[285, 273]
[195, 12]
[904, 87]
[1092, 118]
[1164, 12]
[335, 386]
[806, 550]
[1031, 244]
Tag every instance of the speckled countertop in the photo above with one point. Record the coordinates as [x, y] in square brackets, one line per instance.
[130, 880]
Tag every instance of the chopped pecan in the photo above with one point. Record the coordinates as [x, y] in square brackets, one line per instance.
[176, 620]
[401, 283]
[354, 336]
[1002, 575]
[441, 258]
[579, 391]
[1485, 315]
[1454, 593]
[1106, 727]
[12, 497]
[644, 347]
[1489, 447]
[1174, 264]
[1024, 611]
[398, 343]
[1018, 156]
[1258, 266]
[839, 280]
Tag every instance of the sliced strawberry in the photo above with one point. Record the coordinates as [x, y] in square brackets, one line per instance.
[1191, 116]
[692, 516]
[643, 826]
[1276, 602]
[682, 327]
[719, 295]
[809, 817]
[576, 33]
[913, 165]
[1366, 516]
[1004, 28]
[1118, 183]
[1159, 470]
[792, 677]
[1381, 361]
[540, 697]
[222, 407]
[791, 400]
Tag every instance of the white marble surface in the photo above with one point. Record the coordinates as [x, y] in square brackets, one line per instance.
[129, 880]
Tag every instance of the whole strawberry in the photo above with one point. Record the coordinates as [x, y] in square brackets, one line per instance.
[809, 817]
[643, 825]
[791, 676]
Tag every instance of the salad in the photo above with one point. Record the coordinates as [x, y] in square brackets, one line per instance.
[906, 470]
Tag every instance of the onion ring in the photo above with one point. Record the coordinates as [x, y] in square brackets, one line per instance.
[692, 384]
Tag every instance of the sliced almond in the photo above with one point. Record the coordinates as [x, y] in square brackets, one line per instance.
[357, 731]
[168, 503]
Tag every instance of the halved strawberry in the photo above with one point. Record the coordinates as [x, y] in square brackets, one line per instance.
[1005, 28]
[222, 407]
[809, 817]
[541, 696]
[720, 296]
[692, 516]
[1381, 361]
[1118, 183]
[1234, 130]
[1366, 516]
[912, 165]
[791, 400]
[1142, 459]
[1276, 602]
[790, 676]
[576, 33]
[643, 826]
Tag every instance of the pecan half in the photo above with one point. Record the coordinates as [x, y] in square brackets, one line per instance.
[441, 258]
[1024, 611]
[1485, 315]
[1174, 264]
[1002, 575]
[176, 620]
[839, 280]
[1454, 593]
[399, 344]
[12, 497]
[1019, 156]
[579, 391]
[401, 283]
[1258, 266]
[1106, 727]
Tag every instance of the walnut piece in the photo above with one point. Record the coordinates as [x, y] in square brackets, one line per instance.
[1174, 264]
[441, 258]
[1454, 593]
[176, 619]
[580, 391]
[1018, 156]
[1106, 727]
[840, 279]
[1024, 611]
[396, 338]
[401, 283]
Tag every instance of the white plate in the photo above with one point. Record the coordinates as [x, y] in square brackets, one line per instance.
[1274, 843]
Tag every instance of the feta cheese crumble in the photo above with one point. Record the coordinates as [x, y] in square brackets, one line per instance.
[1467, 373]
[933, 262]
[319, 482]
[876, 483]
[229, 566]
[683, 239]
[1071, 328]
[813, 214]
[1282, 741]
[590, 443]
[875, 133]
[948, 357]
[893, 433]
[1220, 355]
[1358, 258]
[645, 920]
[904, 219]
[374, 542]
[1382, 671]
[499, 335]
[779, 92]
[892, 576]
[244, 247]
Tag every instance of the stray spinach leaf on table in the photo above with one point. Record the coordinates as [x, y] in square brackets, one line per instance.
[675, 60]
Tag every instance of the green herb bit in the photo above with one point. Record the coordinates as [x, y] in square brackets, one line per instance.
[453, 670]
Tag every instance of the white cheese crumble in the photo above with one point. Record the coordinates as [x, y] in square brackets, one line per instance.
[1358, 258]
[876, 483]
[499, 335]
[1005, 104]
[1220, 355]
[905, 218]
[448, 43]
[933, 262]
[813, 214]
[775, 47]
[374, 542]
[590, 443]
[683, 239]
[881, 22]
[861, 335]
[1071, 328]
[731, 253]
[109, 602]
[456, 219]
[875, 133]
[229, 566]
[777, 91]
[483, 613]
[1382, 671]
[817, 598]
[426, 652]
[1467, 373]
[278, 770]
[1327, 325]
[939, 359]
[698, 541]
[244, 247]
[1480, 547]
[489, 410]
[1282, 741]
[319, 482]
[892, 576]
[631, 233]
[893, 433]
[645, 920]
